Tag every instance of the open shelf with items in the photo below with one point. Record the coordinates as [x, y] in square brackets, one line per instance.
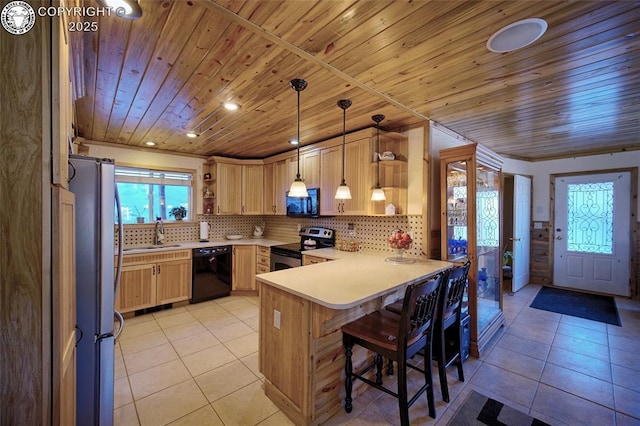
[393, 174]
[471, 229]
[208, 190]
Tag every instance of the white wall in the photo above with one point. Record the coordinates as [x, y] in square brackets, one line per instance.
[438, 139]
[542, 171]
[132, 157]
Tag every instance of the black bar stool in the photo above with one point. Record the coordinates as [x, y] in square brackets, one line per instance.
[398, 338]
[447, 331]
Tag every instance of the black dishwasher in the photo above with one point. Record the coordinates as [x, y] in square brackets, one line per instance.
[211, 273]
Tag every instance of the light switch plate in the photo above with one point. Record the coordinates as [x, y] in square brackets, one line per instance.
[537, 225]
[276, 319]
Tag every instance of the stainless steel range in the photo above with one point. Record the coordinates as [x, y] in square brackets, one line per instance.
[287, 256]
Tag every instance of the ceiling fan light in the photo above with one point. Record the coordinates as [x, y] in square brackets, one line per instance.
[378, 195]
[343, 192]
[298, 189]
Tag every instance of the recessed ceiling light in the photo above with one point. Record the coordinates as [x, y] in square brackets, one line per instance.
[192, 134]
[517, 35]
[150, 143]
[129, 9]
[293, 142]
[230, 106]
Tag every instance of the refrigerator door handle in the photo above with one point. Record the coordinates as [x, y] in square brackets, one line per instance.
[118, 315]
[78, 339]
[120, 243]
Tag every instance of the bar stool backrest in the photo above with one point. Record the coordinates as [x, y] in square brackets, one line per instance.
[453, 292]
[418, 310]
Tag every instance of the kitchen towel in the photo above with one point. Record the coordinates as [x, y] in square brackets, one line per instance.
[204, 231]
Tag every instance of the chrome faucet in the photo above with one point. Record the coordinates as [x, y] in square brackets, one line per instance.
[158, 232]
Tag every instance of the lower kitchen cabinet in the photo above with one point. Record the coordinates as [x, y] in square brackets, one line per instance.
[307, 259]
[263, 259]
[263, 263]
[243, 273]
[150, 280]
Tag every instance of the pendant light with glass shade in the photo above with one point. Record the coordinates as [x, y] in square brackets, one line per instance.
[378, 192]
[343, 192]
[298, 188]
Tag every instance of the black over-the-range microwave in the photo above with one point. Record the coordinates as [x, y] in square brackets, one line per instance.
[304, 207]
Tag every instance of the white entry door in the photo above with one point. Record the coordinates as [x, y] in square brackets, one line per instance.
[521, 237]
[592, 232]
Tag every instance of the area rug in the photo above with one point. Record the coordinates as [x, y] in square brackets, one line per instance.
[478, 409]
[584, 305]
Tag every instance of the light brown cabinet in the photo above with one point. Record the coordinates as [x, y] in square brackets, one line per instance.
[228, 184]
[263, 263]
[330, 176]
[238, 187]
[357, 177]
[150, 280]
[310, 168]
[64, 306]
[308, 259]
[263, 259]
[277, 180]
[471, 210]
[252, 193]
[243, 273]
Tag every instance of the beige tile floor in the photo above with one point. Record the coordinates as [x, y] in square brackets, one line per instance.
[198, 365]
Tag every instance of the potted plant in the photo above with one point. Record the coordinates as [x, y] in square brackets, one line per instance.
[507, 260]
[140, 217]
[178, 213]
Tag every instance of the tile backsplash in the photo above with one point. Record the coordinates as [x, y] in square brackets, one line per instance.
[370, 231]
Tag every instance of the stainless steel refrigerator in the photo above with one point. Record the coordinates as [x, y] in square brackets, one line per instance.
[92, 180]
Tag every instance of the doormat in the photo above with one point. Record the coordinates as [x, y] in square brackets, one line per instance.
[584, 305]
[478, 409]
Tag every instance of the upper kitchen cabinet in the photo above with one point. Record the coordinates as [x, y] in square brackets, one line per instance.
[356, 173]
[471, 210]
[391, 171]
[310, 168]
[238, 186]
[252, 184]
[277, 180]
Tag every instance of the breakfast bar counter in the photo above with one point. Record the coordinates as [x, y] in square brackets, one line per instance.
[302, 311]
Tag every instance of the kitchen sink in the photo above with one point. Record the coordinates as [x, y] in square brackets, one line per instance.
[152, 247]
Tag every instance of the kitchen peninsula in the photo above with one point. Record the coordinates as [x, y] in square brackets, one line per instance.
[302, 311]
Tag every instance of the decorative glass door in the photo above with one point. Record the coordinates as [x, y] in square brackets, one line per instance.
[489, 255]
[592, 228]
[457, 196]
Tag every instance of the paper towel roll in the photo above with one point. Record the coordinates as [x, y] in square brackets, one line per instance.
[204, 231]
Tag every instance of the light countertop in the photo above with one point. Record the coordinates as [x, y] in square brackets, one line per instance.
[349, 279]
[168, 246]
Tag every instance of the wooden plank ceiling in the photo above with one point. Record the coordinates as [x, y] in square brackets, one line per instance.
[574, 91]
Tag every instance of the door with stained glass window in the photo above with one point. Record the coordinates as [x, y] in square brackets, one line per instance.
[592, 232]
